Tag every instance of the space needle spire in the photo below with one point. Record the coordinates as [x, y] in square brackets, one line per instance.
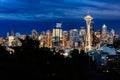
[88, 41]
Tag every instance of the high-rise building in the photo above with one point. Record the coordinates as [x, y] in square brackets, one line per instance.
[1, 41]
[73, 33]
[57, 35]
[65, 39]
[104, 39]
[88, 42]
[11, 39]
[12, 33]
[82, 34]
[92, 31]
[96, 38]
[42, 39]
[113, 32]
[111, 36]
[104, 29]
[34, 35]
[48, 39]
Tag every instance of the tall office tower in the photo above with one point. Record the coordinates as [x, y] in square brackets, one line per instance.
[34, 34]
[74, 34]
[104, 35]
[104, 29]
[97, 36]
[73, 37]
[8, 34]
[92, 26]
[11, 39]
[82, 34]
[57, 35]
[88, 43]
[113, 32]
[82, 31]
[1, 41]
[111, 37]
[12, 33]
[48, 39]
[92, 31]
[65, 39]
[42, 39]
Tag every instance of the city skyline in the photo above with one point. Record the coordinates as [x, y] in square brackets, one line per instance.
[24, 15]
[25, 27]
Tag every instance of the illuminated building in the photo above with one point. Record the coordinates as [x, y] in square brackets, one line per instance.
[1, 41]
[65, 39]
[88, 42]
[113, 32]
[104, 29]
[57, 35]
[48, 39]
[68, 44]
[73, 33]
[42, 39]
[92, 31]
[105, 36]
[11, 39]
[7, 34]
[82, 31]
[22, 36]
[82, 34]
[34, 35]
[18, 42]
[97, 36]
[110, 38]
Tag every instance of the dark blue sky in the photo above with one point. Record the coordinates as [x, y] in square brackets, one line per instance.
[24, 15]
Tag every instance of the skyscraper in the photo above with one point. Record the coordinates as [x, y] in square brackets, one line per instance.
[74, 34]
[104, 35]
[82, 34]
[48, 39]
[92, 31]
[65, 39]
[42, 39]
[34, 35]
[73, 37]
[57, 34]
[88, 43]
[104, 29]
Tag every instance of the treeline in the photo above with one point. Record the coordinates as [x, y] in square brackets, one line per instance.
[42, 63]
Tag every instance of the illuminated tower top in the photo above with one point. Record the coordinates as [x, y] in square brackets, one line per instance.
[104, 27]
[58, 25]
[88, 18]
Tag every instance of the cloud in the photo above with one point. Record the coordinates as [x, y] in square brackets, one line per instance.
[50, 9]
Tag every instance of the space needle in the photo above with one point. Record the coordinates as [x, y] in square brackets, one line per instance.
[88, 41]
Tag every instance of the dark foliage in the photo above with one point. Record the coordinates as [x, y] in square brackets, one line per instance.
[32, 62]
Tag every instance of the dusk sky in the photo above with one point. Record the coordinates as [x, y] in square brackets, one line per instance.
[24, 15]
